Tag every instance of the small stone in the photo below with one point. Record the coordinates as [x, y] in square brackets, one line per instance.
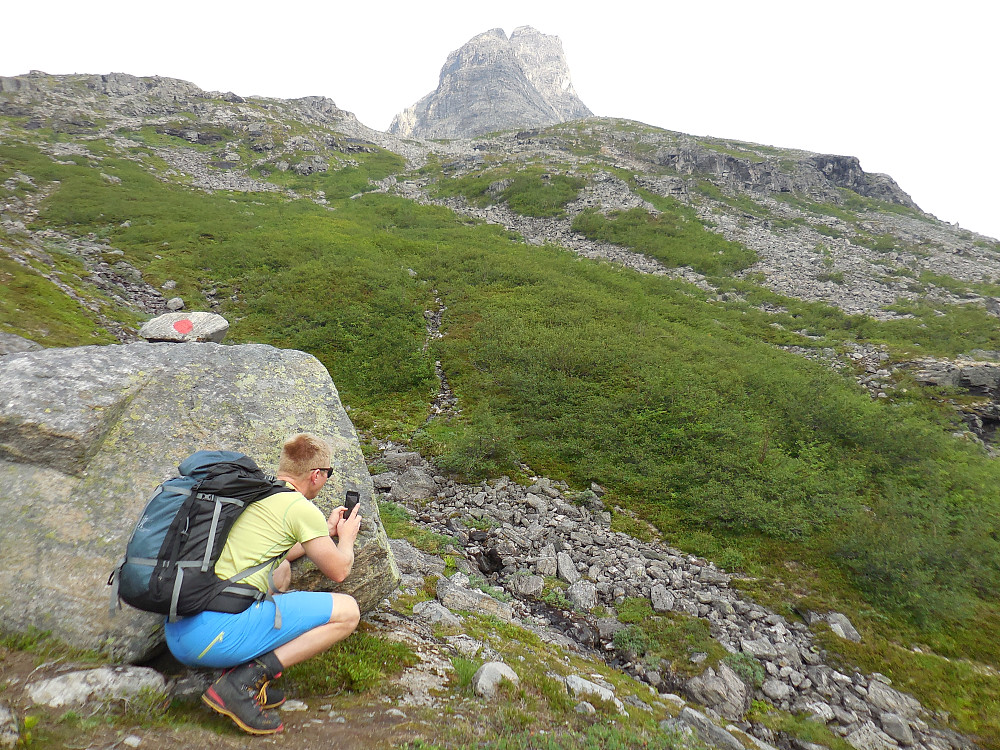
[546, 565]
[869, 737]
[776, 690]
[132, 741]
[759, 647]
[896, 727]
[184, 327]
[175, 304]
[9, 732]
[102, 683]
[434, 613]
[580, 687]
[525, 585]
[583, 594]
[821, 712]
[567, 568]
[585, 708]
[488, 677]
[709, 732]
[661, 599]
[842, 627]
[294, 705]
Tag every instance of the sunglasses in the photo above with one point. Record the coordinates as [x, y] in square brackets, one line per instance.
[328, 470]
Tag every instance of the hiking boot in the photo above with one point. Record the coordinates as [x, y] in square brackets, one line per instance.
[239, 693]
[269, 696]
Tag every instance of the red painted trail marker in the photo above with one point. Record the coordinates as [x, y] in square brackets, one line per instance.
[184, 326]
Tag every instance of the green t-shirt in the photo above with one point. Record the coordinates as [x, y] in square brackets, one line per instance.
[269, 527]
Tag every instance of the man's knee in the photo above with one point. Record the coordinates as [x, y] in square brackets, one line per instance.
[345, 611]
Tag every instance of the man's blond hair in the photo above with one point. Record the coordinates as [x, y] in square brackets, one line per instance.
[302, 453]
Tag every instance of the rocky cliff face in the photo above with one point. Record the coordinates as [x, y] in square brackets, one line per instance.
[494, 83]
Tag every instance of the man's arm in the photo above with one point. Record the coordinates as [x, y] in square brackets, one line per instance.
[335, 519]
[334, 559]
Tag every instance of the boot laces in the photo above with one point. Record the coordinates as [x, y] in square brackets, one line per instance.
[259, 690]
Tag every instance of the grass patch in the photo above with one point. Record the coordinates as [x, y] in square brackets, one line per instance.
[798, 726]
[464, 671]
[44, 647]
[668, 640]
[398, 525]
[596, 737]
[359, 663]
[554, 593]
[346, 175]
[35, 308]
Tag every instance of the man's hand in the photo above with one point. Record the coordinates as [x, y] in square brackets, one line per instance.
[337, 521]
[336, 516]
[347, 528]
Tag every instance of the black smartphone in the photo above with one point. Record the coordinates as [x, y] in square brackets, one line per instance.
[353, 498]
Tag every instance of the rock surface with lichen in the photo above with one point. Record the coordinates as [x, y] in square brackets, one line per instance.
[87, 433]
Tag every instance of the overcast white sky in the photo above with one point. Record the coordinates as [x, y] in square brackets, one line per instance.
[909, 88]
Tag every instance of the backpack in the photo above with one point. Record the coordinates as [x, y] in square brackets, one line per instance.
[169, 563]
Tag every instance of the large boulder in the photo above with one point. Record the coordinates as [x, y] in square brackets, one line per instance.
[87, 433]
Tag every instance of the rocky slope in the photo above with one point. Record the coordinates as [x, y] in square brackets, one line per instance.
[518, 537]
[494, 83]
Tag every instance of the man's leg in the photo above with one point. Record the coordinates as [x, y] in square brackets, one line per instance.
[344, 620]
[242, 693]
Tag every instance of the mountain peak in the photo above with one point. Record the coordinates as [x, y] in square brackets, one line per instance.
[494, 83]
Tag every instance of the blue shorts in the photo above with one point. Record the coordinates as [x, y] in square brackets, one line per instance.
[220, 640]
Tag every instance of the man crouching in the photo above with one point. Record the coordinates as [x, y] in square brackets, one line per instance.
[253, 646]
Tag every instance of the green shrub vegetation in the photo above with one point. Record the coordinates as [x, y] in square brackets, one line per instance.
[532, 191]
[674, 236]
[590, 372]
[347, 175]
